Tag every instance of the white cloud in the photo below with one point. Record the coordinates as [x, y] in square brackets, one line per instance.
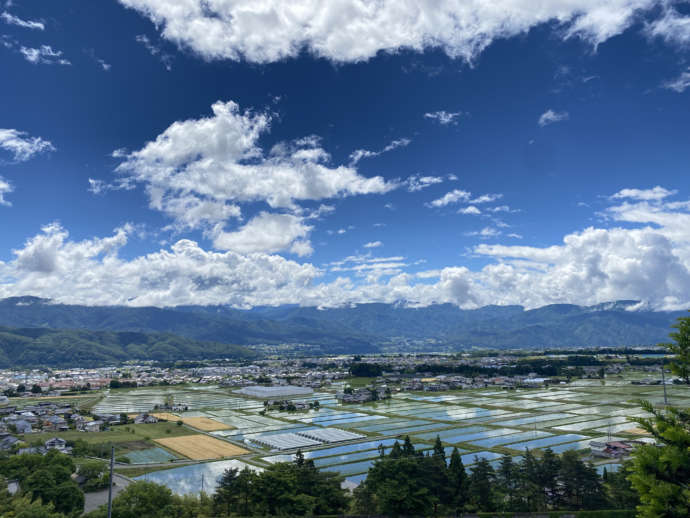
[487, 198]
[373, 244]
[43, 55]
[470, 210]
[459, 195]
[486, 232]
[155, 51]
[649, 260]
[453, 196]
[218, 158]
[5, 188]
[355, 30]
[417, 182]
[199, 171]
[672, 27]
[680, 83]
[443, 117]
[21, 145]
[550, 116]
[656, 193]
[91, 272]
[26, 24]
[266, 233]
[501, 208]
[359, 154]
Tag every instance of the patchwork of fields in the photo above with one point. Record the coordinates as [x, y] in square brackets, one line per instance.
[480, 423]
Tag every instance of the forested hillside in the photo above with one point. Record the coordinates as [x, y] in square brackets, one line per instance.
[79, 348]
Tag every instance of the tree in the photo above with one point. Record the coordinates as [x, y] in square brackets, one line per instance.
[619, 490]
[140, 499]
[661, 475]
[68, 498]
[457, 480]
[547, 473]
[680, 365]
[408, 449]
[481, 485]
[506, 479]
[439, 450]
[36, 389]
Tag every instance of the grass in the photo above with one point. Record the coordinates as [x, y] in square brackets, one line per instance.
[121, 433]
[357, 382]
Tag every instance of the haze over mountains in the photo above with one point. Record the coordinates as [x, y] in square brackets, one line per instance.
[358, 329]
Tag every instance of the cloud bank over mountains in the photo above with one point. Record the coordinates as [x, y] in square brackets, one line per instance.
[644, 256]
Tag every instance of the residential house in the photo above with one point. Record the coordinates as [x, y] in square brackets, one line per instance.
[92, 426]
[55, 423]
[145, 418]
[56, 443]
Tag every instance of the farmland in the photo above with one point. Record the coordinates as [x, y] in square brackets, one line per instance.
[201, 447]
[481, 423]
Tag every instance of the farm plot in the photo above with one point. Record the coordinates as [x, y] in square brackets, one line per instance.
[150, 456]
[527, 421]
[585, 425]
[546, 442]
[452, 432]
[505, 439]
[479, 435]
[201, 447]
[336, 450]
[205, 424]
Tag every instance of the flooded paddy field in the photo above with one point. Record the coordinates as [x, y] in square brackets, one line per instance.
[485, 423]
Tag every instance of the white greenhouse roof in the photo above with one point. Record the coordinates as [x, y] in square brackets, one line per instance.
[331, 435]
[273, 392]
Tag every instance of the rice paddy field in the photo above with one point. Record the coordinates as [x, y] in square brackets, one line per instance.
[347, 438]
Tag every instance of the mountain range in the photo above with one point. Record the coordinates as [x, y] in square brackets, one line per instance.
[362, 328]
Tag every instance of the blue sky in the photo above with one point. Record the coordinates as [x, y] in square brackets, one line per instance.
[164, 152]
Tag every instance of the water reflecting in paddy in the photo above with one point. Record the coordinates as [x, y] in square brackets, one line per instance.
[187, 480]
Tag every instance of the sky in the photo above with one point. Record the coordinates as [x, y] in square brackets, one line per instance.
[329, 153]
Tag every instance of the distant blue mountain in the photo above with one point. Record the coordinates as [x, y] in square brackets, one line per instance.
[362, 328]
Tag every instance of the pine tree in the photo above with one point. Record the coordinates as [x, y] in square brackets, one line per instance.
[481, 484]
[457, 479]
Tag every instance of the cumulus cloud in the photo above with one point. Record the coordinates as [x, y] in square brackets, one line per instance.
[453, 196]
[354, 30]
[219, 158]
[5, 188]
[21, 146]
[417, 182]
[470, 210]
[443, 117]
[359, 154]
[648, 260]
[91, 272]
[267, 233]
[459, 195]
[680, 83]
[26, 24]
[199, 171]
[655, 193]
[550, 116]
[373, 244]
[43, 55]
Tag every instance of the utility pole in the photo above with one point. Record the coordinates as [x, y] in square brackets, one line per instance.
[202, 482]
[663, 382]
[110, 486]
